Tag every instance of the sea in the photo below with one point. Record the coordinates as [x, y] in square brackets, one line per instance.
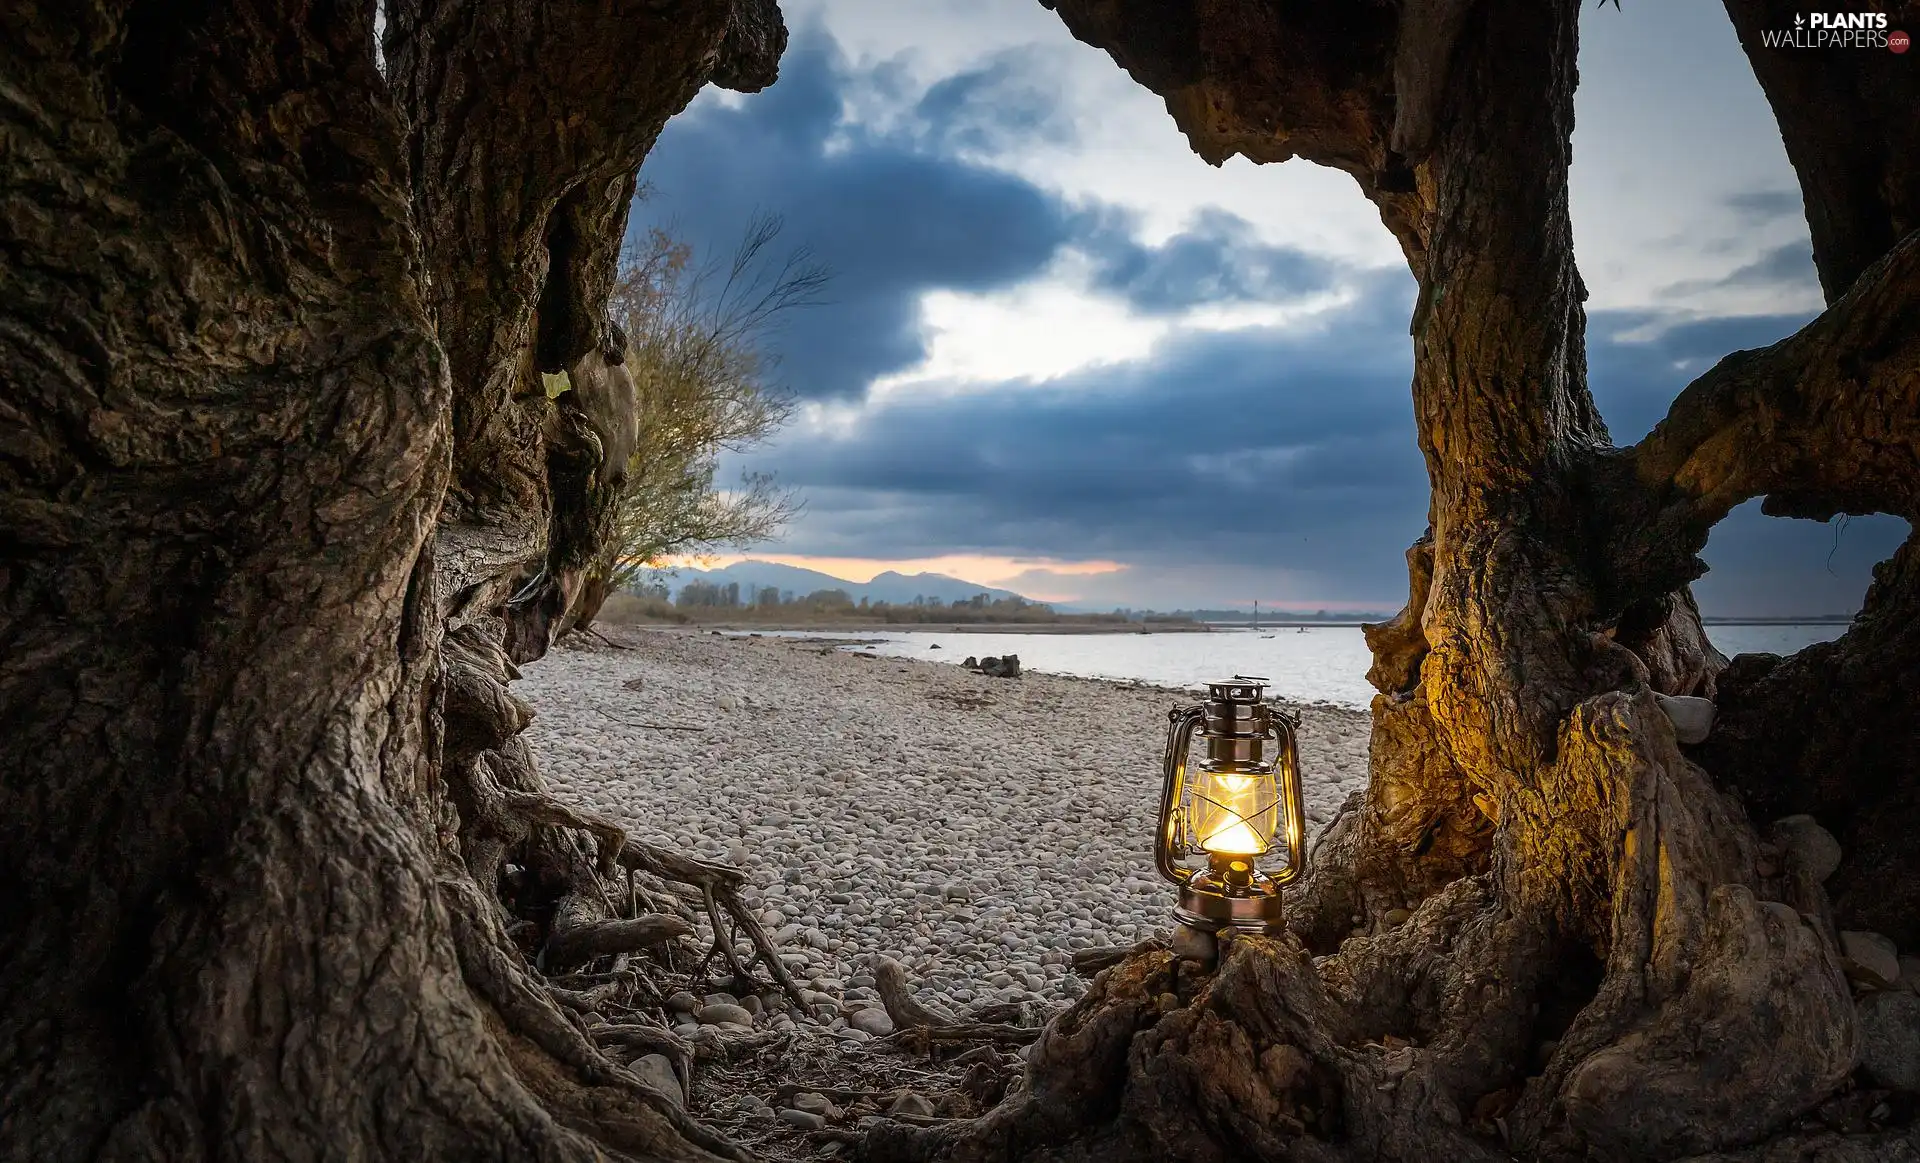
[1324, 664]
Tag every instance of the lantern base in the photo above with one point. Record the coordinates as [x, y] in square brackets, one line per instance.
[1258, 913]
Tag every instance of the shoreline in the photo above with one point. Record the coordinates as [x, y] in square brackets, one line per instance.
[979, 829]
[857, 627]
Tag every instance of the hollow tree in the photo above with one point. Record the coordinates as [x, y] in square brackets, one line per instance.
[1546, 929]
[281, 503]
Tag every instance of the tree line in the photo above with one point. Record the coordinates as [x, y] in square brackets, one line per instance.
[713, 601]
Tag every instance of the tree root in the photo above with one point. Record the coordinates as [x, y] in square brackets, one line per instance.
[1088, 962]
[719, 887]
[1454, 1034]
[916, 1024]
[598, 1091]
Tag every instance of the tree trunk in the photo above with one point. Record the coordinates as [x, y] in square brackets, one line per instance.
[1601, 955]
[262, 310]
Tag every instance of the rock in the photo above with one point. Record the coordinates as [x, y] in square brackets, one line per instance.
[971, 663]
[910, 1103]
[872, 1021]
[1197, 944]
[1006, 666]
[815, 1103]
[711, 1015]
[1396, 917]
[805, 1120]
[1807, 845]
[1889, 1039]
[720, 999]
[1869, 958]
[682, 1002]
[1691, 716]
[657, 1070]
[852, 1034]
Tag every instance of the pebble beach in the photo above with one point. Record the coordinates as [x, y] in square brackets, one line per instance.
[978, 829]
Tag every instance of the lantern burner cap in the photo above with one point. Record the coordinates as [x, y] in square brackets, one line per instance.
[1241, 688]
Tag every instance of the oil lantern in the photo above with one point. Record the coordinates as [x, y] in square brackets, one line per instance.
[1226, 820]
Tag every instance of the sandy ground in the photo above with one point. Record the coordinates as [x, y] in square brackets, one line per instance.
[980, 829]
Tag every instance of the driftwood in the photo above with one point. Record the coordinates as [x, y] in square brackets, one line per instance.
[916, 1023]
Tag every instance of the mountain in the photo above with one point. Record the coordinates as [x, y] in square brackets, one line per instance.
[897, 588]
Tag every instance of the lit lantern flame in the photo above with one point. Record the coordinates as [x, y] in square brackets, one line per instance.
[1230, 811]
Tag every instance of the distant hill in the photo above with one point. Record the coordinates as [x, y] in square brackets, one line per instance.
[896, 588]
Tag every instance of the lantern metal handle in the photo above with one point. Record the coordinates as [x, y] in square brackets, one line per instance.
[1180, 725]
[1284, 726]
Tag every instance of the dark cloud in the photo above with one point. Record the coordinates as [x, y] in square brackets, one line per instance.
[1002, 103]
[890, 219]
[1256, 447]
[1256, 452]
[1785, 269]
[1219, 259]
[1222, 458]
[1755, 207]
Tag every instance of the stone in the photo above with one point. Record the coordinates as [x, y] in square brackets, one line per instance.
[1691, 716]
[713, 1015]
[1888, 1038]
[682, 1002]
[1197, 944]
[1396, 917]
[1006, 666]
[908, 1102]
[814, 1102]
[657, 1071]
[852, 1034]
[1807, 845]
[873, 1021]
[805, 1120]
[1869, 958]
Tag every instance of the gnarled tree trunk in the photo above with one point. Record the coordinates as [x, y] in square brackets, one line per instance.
[272, 328]
[1546, 930]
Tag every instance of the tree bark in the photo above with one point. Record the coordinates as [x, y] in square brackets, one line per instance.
[1544, 931]
[264, 308]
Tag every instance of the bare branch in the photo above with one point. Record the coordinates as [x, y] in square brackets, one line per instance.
[1826, 421]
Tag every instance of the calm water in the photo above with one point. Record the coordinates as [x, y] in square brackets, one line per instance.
[1322, 664]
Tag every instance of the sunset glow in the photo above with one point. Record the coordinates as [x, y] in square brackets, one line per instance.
[980, 570]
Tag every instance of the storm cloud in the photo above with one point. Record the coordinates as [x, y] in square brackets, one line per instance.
[1267, 457]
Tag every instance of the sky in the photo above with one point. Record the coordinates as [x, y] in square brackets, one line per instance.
[1062, 355]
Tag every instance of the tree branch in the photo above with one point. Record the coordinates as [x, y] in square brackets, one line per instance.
[1826, 421]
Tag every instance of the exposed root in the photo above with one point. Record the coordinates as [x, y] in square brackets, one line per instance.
[917, 1024]
[719, 887]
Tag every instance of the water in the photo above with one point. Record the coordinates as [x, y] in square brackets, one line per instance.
[1321, 664]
